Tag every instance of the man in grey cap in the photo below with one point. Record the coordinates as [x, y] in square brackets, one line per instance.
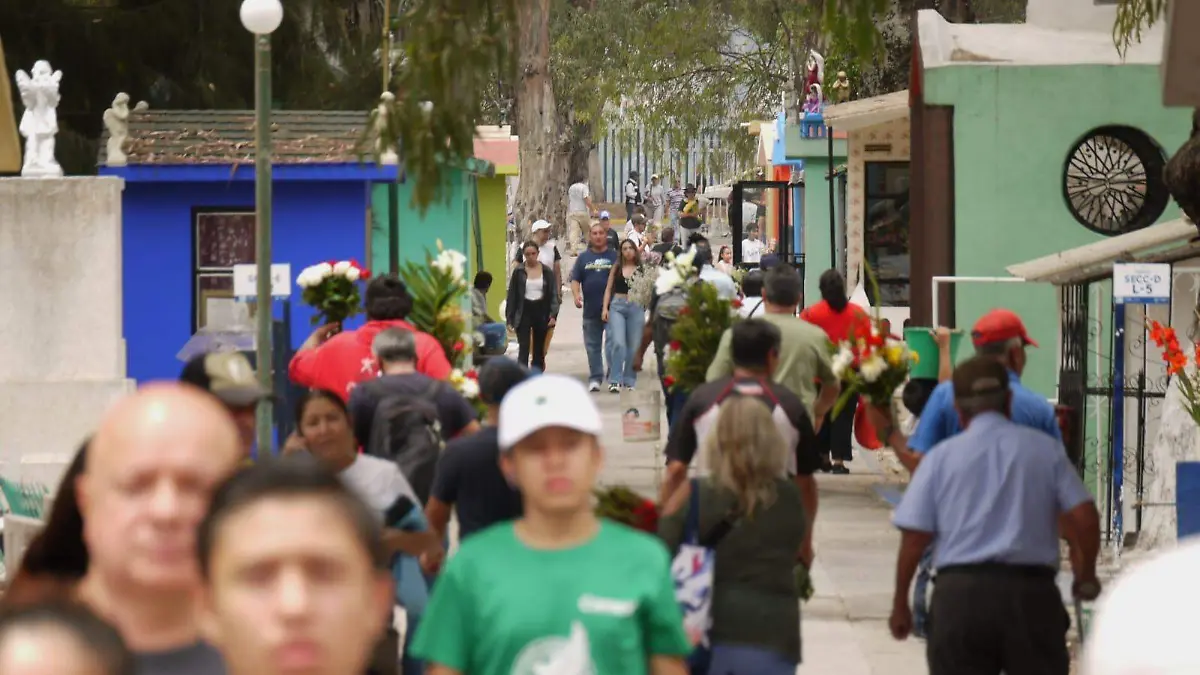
[229, 377]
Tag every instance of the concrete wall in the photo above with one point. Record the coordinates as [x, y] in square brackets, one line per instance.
[1071, 15]
[312, 222]
[1013, 128]
[63, 361]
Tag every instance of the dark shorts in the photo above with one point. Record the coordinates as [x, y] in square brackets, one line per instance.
[837, 433]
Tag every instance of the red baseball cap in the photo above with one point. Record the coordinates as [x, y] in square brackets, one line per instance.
[999, 325]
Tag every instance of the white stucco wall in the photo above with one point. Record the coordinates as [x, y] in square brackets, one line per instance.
[895, 133]
[1084, 15]
[63, 358]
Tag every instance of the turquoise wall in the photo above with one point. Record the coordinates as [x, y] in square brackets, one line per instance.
[1013, 128]
[815, 153]
[449, 219]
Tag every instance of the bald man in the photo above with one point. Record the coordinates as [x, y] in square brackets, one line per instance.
[151, 469]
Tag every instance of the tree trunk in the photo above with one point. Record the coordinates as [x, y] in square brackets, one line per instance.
[542, 189]
[582, 145]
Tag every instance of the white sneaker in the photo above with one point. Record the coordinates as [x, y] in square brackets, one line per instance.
[593, 386]
[614, 389]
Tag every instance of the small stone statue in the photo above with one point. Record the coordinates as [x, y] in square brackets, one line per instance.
[816, 70]
[39, 124]
[116, 120]
[381, 122]
[841, 88]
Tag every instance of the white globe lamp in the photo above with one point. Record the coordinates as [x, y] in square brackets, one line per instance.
[261, 17]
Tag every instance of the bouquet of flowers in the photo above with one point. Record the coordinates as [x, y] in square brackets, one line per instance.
[698, 329]
[871, 366]
[332, 288]
[641, 287]
[438, 289]
[623, 505]
[1177, 363]
[467, 384]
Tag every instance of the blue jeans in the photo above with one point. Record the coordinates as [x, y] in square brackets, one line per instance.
[743, 660]
[919, 603]
[625, 321]
[593, 343]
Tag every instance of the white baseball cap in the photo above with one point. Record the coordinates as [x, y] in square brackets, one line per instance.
[546, 401]
[540, 225]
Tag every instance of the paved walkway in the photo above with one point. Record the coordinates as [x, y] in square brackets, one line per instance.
[845, 624]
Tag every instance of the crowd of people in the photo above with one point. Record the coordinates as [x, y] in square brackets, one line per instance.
[168, 549]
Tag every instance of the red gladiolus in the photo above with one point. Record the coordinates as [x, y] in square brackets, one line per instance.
[471, 374]
[645, 517]
[737, 304]
[459, 346]
[669, 381]
[675, 345]
[364, 273]
[685, 311]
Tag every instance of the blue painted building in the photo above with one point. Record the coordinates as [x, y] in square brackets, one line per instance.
[188, 211]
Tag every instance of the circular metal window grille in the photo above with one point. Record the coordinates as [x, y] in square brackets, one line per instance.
[1113, 180]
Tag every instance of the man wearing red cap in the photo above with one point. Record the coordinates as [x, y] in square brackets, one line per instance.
[999, 334]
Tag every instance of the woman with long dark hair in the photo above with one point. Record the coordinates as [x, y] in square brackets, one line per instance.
[625, 318]
[57, 559]
[532, 306]
[841, 320]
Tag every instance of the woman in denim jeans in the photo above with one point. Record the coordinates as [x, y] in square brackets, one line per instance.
[625, 319]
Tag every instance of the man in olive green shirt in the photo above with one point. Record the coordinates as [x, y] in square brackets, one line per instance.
[804, 359]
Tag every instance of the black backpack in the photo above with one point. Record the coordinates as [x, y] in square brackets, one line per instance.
[407, 430]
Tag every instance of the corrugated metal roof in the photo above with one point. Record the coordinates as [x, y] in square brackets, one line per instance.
[227, 137]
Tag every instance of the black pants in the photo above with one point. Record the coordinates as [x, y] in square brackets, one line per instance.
[837, 433]
[992, 619]
[535, 320]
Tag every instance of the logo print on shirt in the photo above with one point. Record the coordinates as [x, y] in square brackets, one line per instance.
[594, 604]
[368, 366]
[556, 655]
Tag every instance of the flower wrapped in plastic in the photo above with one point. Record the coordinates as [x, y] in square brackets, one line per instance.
[871, 366]
[332, 288]
[623, 505]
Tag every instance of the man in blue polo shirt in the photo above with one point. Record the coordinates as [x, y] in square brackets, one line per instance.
[589, 279]
[999, 334]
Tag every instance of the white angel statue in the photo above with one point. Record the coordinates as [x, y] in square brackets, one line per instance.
[39, 124]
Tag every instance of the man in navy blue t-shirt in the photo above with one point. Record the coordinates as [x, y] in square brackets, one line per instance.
[589, 279]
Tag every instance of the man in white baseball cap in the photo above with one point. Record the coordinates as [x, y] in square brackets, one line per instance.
[558, 590]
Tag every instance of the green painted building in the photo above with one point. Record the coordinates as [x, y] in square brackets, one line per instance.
[815, 153]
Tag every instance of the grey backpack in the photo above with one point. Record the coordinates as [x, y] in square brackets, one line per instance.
[407, 430]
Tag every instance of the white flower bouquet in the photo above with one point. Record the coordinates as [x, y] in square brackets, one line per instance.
[641, 287]
[332, 289]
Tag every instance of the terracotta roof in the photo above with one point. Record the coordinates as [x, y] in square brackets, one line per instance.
[227, 137]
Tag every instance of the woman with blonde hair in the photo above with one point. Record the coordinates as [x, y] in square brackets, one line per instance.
[747, 497]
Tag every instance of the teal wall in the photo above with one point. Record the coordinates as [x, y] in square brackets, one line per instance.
[449, 219]
[815, 153]
[1013, 128]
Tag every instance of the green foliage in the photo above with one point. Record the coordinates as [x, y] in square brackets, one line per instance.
[437, 292]
[696, 336]
[335, 299]
[1134, 16]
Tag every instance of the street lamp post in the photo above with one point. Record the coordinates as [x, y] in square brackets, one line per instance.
[262, 17]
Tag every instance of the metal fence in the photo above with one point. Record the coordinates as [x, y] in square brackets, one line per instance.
[704, 163]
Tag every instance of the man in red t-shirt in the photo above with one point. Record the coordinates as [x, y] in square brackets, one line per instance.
[841, 320]
[338, 361]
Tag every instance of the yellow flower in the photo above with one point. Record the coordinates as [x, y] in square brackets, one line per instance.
[915, 359]
[893, 354]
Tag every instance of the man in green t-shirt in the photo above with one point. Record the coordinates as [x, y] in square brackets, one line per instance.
[558, 591]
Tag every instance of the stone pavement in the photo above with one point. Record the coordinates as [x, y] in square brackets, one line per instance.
[844, 626]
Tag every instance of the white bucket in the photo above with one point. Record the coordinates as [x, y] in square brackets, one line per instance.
[641, 413]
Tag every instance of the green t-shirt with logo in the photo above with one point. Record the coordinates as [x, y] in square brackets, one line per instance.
[601, 608]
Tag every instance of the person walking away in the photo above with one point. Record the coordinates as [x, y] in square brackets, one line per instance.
[579, 213]
[558, 590]
[1000, 335]
[532, 306]
[755, 605]
[841, 320]
[150, 471]
[324, 425]
[674, 205]
[667, 245]
[468, 478]
[757, 348]
[589, 280]
[295, 571]
[495, 333]
[658, 200]
[58, 638]
[752, 246]
[752, 300]
[338, 361]
[230, 378]
[805, 366]
[992, 497]
[394, 351]
[625, 319]
[633, 194]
